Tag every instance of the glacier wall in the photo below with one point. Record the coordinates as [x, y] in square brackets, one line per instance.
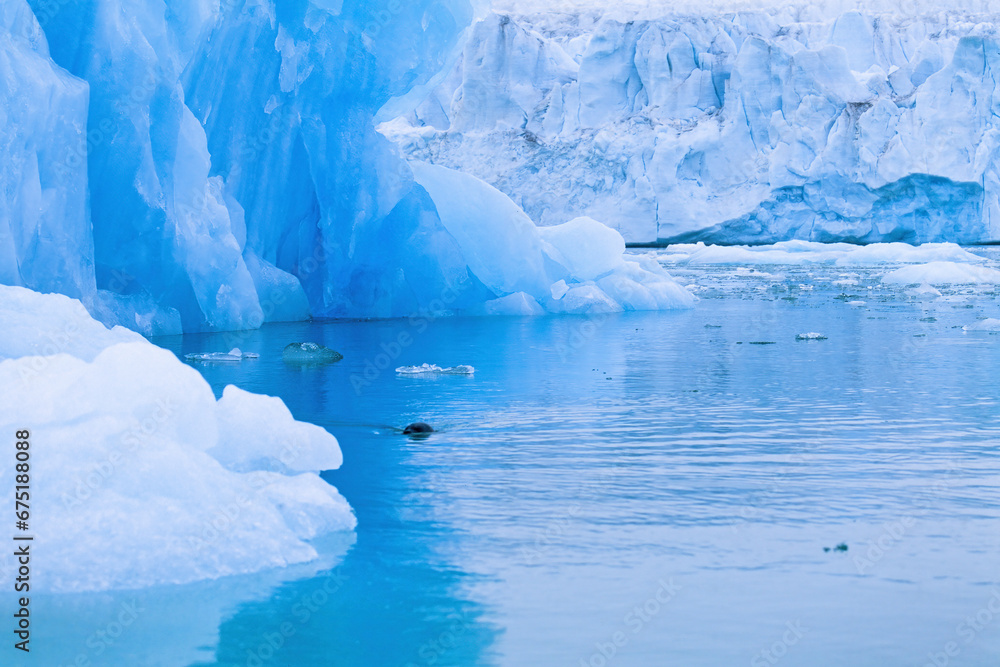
[184, 165]
[729, 127]
[45, 239]
[232, 170]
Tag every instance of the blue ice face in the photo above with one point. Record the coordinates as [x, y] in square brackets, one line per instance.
[230, 157]
[44, 229]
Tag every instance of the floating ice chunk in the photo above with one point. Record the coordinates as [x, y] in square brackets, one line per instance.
[810, 336]
[754, 273]
[586, 299]
[309, 353]
[234, 355]
[904, 253]
[857, 303]
[259, 433]
[498, 240]
[630, 294]
[924, 291]
[942, 273]
[129, 434]
[518, 303]
[645, 285]
[808, 252]
[556, 266]
[586, 247]
[433, 369]
[132, 429]
[310, 506]
[48, 324]
[989, 324]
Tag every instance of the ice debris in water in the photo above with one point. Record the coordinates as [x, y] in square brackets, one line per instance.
[812, 335]
[433, 369]
[924, 291]
[310, 353]
[234, 354]
[943, 273]
[989, 324]
[805, 253]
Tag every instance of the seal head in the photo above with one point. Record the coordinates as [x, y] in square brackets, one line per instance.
[418, 428]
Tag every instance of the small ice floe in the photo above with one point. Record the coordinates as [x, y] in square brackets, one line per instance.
[943, 273]
[812, 335]
[309, 353]
[433, 369]
[233, 355]
[989, 324]
[924, 291]
[857, 303]
[755, 273]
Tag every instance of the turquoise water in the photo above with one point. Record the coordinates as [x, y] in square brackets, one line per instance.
[639, 489]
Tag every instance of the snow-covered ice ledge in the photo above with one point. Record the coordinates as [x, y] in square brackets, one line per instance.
[133, 450]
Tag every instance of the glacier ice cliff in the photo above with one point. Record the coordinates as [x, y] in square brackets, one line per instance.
[45, 239]
[752, 126]
[184, 165]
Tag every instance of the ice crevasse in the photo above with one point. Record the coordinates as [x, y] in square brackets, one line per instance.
[741, 126]
[185, 165]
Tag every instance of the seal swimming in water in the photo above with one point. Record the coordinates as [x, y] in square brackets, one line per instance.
[418, 428]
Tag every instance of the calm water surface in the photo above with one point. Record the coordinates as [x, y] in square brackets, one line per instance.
[646, 489]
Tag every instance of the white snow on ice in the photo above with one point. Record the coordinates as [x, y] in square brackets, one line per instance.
[434, 369]
[807, 252]
[131, 449]
[943, 273]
